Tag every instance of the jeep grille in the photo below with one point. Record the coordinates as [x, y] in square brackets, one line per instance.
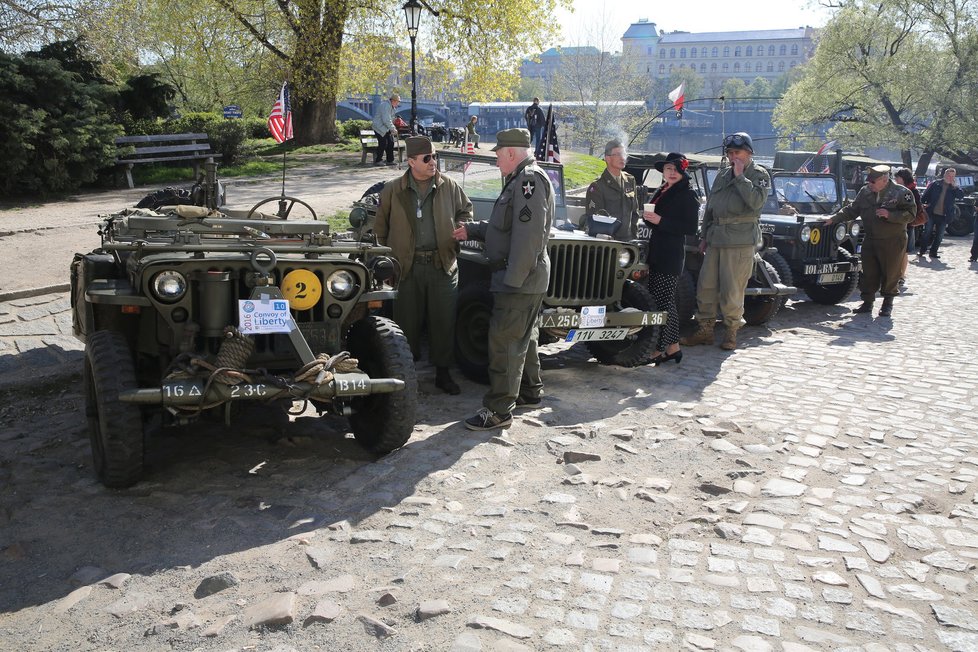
[826, 247]
[583, 272]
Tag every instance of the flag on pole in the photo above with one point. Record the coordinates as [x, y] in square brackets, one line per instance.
[280, 120]
[678, 96]
[548, 150]
[823, 151]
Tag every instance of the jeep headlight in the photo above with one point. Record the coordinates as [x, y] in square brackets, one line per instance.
[169, 285]
[806, 233]
[855, 230]
[840, 232]
[341, 284]
[625, 258]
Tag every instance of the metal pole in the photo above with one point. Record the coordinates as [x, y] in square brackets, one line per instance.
[414, 93]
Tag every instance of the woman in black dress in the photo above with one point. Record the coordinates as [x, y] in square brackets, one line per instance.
[676, 215]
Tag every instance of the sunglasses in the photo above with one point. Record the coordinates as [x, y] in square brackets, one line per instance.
[427, 158]
[735, 140]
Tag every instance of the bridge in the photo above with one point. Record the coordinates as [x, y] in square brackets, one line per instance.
[452, 114]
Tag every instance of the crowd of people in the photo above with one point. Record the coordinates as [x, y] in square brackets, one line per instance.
[423, 215]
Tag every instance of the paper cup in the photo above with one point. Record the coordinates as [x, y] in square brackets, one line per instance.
[649, 208]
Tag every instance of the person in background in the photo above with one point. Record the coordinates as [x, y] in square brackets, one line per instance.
[516, 238]
[416, 218]
[385, 129]
[535, 121]
[905, 178]
[730, 235]
[676, 215]
[470, 131]
[886, 209]
[939, 199]
[614, 192]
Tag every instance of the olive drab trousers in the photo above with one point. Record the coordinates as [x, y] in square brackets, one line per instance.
[882, 259]
[722, 283]
[514, 364]
[427, 286]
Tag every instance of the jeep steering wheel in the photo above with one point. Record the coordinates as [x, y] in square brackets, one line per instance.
[286, 204]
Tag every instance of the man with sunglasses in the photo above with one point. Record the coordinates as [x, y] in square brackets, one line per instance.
[730, 235]
[418, 213]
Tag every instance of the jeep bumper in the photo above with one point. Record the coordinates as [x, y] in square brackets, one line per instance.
[564, 319]
[779, 289]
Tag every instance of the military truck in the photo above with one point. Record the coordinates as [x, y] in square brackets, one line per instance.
[189, 311]
[595, 296]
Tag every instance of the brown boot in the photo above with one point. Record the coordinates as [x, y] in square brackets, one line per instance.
[729, 342]
[703, 334]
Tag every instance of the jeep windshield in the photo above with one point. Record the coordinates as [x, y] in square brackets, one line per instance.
[805, 193]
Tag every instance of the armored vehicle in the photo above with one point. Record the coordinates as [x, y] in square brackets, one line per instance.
[189, 311]
[593, 295]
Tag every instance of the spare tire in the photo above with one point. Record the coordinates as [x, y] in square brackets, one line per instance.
[166, 197]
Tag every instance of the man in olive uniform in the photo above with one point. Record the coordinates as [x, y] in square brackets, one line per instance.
[416, 218]
[886, 208]
[730, 235]
[516, 237]
[614, 192]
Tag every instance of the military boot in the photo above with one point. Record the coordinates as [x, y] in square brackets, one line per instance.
[729, 342]
[865, 306]
[703, 334]
[887, 308]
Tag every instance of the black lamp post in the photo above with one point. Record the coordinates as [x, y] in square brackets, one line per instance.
[412, 12]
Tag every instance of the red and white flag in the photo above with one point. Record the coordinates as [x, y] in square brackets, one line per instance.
[678, 96]
[280, 120]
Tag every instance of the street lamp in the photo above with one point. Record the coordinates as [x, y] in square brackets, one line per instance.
[412, 13]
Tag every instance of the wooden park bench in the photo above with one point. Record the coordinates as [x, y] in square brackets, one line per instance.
[163, 148]
[368, 144]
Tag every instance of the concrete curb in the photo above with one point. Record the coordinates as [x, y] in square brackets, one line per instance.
[34, 292]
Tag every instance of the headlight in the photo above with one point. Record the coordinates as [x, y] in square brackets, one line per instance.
[855, 230]
[169, 285]
[840, 232]
[341, 284]
[625, 258]
[806, 233]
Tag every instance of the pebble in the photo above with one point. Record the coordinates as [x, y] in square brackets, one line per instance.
[374, 627]
[325, 611]
[432, 608]
[278, 609]
[497, 624]
[214, 584]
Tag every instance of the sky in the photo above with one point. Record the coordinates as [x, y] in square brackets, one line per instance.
[612, 17]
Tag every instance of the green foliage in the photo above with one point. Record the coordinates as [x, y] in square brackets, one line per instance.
[144, 97]
[256, 127]
[350, 129]
[55, 130]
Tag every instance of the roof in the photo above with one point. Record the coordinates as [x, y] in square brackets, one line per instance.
[641, 29]
[570, 51]
[755, 35]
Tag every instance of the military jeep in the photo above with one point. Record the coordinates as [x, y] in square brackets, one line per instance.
[595, 294]
[189, 311]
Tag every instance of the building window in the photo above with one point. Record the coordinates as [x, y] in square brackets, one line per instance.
[649, 51]
[783, 50]
[716, 52]
[692, 53]
[703, 52]
[662, 53]
[770, 66]
[750, 51]
[726, 52]
[737, 67]
[793, 64]
[747, 67]
[662, 68]
[682, 53]
[726, 66]
[770, 50]
[671, 68]
[760, 50]
[703, 67]
[781, 66]
[794, 50]
[713, 67]
[672, 53]
[737, 51]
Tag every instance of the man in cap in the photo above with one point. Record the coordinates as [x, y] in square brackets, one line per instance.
[886, 208]
[516, 237]
[535, 121]
[470, 133]
[614, 192]
[730, 235]
[938, 200]
[385, 129]
[416, 218]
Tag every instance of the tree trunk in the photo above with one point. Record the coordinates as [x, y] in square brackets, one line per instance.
[923, 163]
[314, 122]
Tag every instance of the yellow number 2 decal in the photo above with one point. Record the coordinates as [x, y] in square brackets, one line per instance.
[302, 288]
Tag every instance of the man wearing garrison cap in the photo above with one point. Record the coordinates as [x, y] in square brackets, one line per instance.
[886, 208]
[417, 216]
[516, 237]
[614, 192]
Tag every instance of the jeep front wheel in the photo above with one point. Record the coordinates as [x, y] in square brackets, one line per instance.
[760, 309]
[115, 428]
[635, 349]
[830, 295]
[383, 422]
[472, 332]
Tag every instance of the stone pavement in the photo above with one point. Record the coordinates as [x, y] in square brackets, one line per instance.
[814, 490]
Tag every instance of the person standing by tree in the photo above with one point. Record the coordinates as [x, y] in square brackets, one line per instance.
[729, 236]
[516, 238]
[416, 218]
[939, 199]
[614, 192]
[385, 129]
[536, 121]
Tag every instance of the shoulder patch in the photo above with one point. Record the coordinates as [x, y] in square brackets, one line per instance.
[526, 214]
[590, 188]
[763, 182]
[908, 198]
[529, 187]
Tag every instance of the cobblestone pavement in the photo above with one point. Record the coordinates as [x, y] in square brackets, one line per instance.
[814, 490]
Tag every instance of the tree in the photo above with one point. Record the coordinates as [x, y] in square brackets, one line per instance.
[892, 73]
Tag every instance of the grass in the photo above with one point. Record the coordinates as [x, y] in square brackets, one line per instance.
[580, 169]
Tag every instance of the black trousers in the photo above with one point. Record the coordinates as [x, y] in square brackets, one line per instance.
[385, 143]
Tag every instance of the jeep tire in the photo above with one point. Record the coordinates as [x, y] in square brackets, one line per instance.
[832, 294]
[686, 296]
[760, 309]
[472, 332]
[115, 428]
[382, 423]
[635, 349]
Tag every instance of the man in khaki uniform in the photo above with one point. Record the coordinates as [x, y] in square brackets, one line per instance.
[516, 238]
[886, 208]
[417, 215]
[615, 192]
[730, 235]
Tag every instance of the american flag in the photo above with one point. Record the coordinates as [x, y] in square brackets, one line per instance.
[823, 151]
[280, 120]
[548, 150]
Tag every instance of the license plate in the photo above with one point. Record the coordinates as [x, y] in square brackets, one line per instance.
[829, 279]
[596, 334]
[825, 268]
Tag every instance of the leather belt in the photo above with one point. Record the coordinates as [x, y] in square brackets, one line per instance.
[425, 256]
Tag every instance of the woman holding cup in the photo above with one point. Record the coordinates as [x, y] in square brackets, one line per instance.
[672, 214]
